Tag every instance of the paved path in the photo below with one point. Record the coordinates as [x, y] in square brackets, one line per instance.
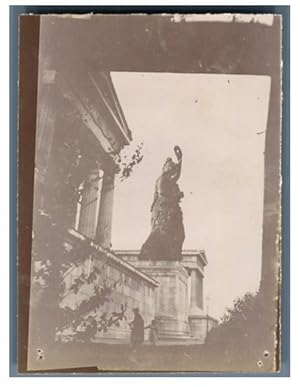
[119, 357]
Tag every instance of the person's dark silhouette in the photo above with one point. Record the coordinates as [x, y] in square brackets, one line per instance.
[137, 330]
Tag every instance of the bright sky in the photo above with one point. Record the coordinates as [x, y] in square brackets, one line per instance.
[217, 121]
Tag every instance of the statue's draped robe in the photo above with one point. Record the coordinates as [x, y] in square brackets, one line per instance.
[167, 234]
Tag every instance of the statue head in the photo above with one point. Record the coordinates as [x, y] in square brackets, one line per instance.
[168, 165]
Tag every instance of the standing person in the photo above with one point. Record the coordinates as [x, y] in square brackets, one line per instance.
[137, 330]
[152, 332]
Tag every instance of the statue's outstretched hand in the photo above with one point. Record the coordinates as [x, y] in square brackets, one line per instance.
[178, 152]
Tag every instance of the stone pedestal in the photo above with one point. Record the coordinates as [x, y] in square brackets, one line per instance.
[170, 299]
[179, 297]
[200, 325]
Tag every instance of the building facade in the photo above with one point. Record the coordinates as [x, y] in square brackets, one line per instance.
[80, 130]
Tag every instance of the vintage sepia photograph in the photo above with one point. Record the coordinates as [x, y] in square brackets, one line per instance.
[156, 202]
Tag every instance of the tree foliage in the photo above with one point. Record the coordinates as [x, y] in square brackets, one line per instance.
[243, 335]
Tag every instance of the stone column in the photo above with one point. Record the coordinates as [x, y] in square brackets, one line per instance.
[200, 292]
[193, 300]
[46, 114]
[103, 232]
[188, 293]
[196, 316]
[89, 209]
[196, 292]
[45, 124]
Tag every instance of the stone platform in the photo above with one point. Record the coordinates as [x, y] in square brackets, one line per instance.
[179, 313]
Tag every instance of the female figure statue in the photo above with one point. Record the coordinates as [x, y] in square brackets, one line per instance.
[167, 234]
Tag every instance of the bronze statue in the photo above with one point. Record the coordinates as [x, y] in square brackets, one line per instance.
[167, 235]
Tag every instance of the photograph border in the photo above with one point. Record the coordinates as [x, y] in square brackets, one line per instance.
[25, 156]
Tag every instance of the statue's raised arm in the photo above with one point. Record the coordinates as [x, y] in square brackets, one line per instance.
[178, 153]
[177, 166]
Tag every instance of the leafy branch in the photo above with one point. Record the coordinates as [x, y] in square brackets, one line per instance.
[126, 162]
